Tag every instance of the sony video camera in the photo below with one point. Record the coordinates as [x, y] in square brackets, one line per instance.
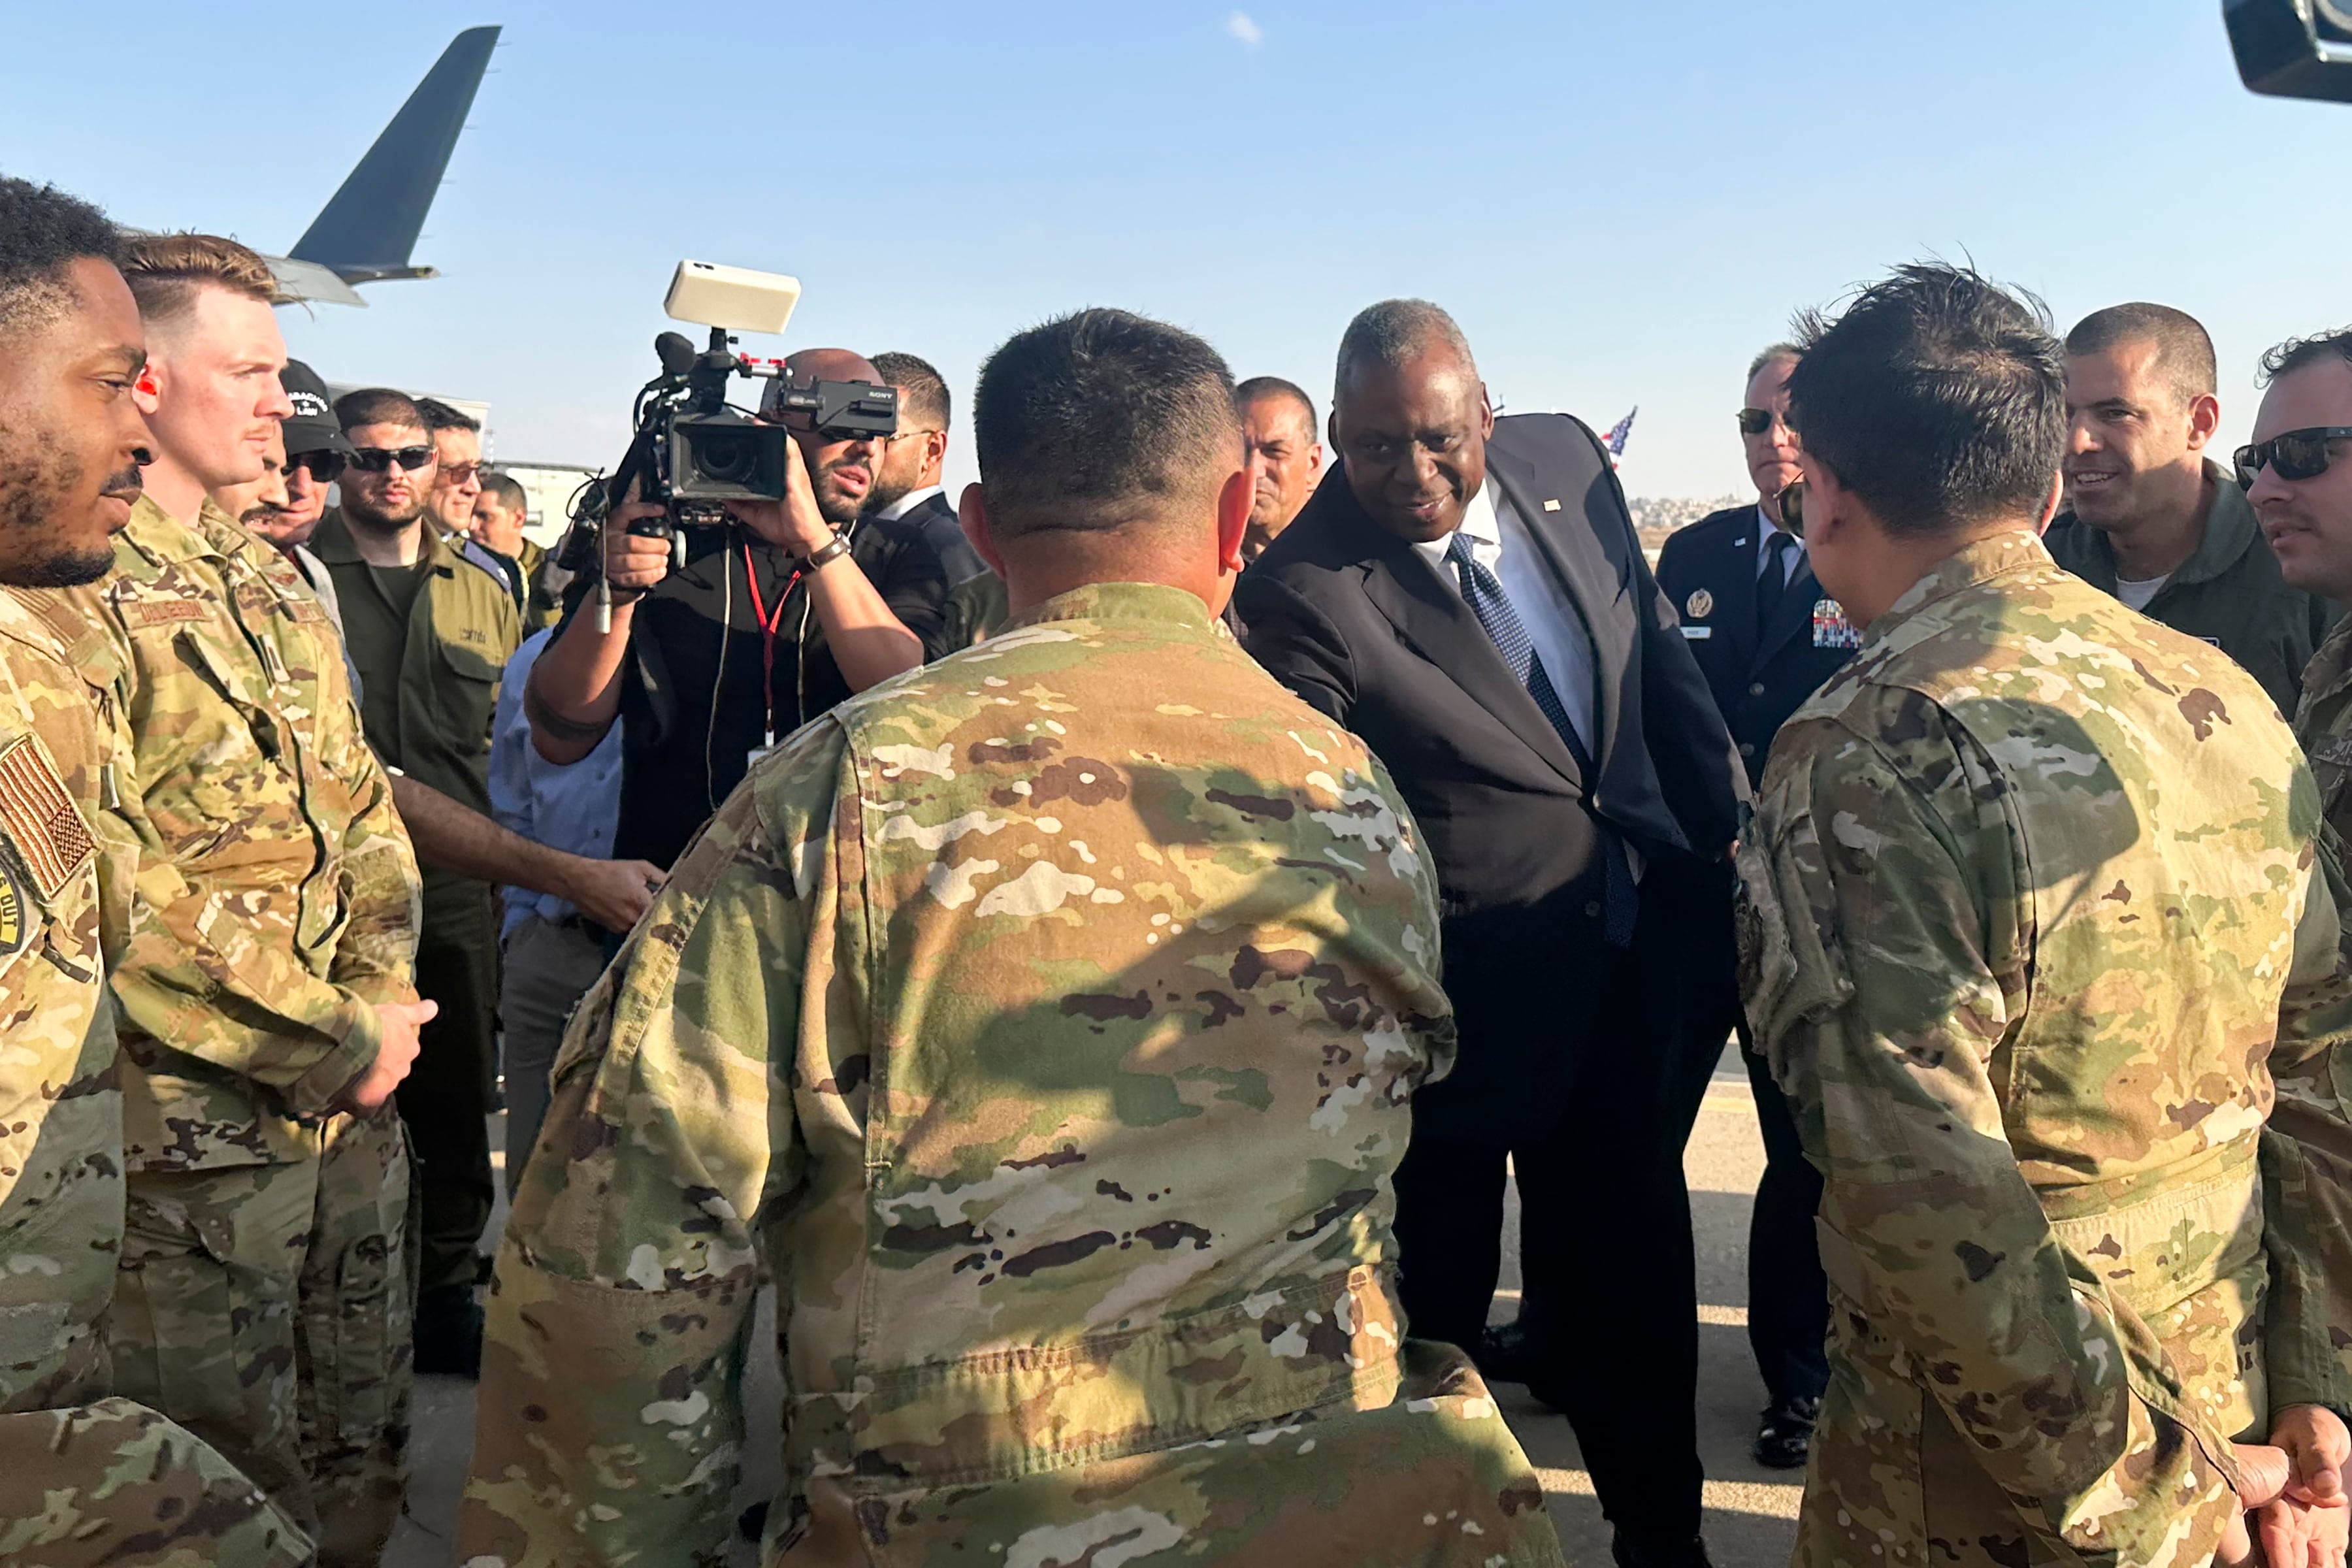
[694, 451]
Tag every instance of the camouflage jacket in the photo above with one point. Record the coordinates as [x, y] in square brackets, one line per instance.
[277, 894]
[2028, 890]
[65, 892]
[1047, 1020]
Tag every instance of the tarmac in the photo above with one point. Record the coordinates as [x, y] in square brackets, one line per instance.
[1750, 1511]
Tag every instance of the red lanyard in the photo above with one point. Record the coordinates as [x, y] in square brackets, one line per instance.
[769, 620]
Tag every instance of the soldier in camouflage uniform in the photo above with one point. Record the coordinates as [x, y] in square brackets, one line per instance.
[265, 1287]
[2031, 882]
[2301, 489]
[1046, 1022]
[85, 1479]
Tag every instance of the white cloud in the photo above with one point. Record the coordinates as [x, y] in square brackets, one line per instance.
[1242, 27]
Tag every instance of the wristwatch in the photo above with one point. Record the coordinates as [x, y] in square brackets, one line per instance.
[832, 550]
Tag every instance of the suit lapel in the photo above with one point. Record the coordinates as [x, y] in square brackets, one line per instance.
[1595, 585]
[1737, 614]
[1435, 624]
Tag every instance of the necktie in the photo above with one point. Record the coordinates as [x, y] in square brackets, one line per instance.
[1772, 583]
[1483, 592]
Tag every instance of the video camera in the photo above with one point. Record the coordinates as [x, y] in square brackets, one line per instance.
[692, 450]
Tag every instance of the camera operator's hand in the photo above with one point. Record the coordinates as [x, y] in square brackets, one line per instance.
[794, 524]
[633, 563]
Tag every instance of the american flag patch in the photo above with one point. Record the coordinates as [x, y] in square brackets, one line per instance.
[38, 819]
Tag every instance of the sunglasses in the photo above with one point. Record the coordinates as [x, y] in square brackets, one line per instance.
[1755, 421]
[377, 460]
[325, 468]
[1792, 507]
[460, 474]
[2296, 454]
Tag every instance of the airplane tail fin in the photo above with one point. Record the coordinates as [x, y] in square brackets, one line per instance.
[368, 227]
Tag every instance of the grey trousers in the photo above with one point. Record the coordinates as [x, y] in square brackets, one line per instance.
[548, 969]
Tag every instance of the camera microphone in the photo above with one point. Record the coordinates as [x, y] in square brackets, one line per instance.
[676, 353]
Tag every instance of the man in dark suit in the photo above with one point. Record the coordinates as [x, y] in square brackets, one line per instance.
[1468, 595]
[1767, 636]
[907, 480]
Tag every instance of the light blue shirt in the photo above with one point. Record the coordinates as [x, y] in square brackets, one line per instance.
[572, 806]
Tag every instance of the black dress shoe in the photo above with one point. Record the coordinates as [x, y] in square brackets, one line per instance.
[1787, 1438]
[1638, 1551]
[448, 1332]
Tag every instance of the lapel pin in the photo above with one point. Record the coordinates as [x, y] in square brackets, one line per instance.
[1552, 506]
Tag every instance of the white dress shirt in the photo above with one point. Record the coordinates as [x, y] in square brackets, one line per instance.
[1500, 542]
[909, 502]
[1765, 529]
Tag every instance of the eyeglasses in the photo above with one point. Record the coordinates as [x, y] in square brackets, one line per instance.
[325, 468]
[903, 434]
[2296, 454]
[1755, 421]
[460, 474]
[1792, 507]
[377, 460]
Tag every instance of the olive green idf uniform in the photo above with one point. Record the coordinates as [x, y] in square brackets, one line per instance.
[1046, 1021]
[430, 644]
[264, 1298]
[84, 1479]
[2029, 891]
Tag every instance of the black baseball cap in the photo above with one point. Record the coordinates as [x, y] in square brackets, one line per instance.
[312, 426]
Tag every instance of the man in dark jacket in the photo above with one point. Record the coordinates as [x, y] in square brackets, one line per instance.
[1466, 594]
[2150, 520]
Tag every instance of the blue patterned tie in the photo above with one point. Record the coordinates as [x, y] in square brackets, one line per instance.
[1483, 592]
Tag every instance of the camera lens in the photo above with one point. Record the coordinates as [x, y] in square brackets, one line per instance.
[727, 457]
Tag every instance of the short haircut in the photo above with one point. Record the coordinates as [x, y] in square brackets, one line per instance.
[508, 490]
[2184, 350]
[43, 232]
[1094, 422]
[2297, 352]
[1258, 386]
[439, 417]
[167, 271]
[923, 401]
[1789, 352]
[1938, 398]
[1392, 332]
[378, 405]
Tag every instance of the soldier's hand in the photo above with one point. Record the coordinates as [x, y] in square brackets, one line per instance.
[2311, 1525]
[794, 524]
[633, 563]
[395, 1056]
[614, 893]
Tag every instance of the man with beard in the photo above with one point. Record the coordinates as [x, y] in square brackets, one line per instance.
[2154, 521]
[906, 479]
[84, 1477]
[769, 624]
[1285, 454]
[429, 633]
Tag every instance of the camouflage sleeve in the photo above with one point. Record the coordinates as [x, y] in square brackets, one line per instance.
[380, 888]
[610, 1419]
[1885, 926]
[2308, 1156]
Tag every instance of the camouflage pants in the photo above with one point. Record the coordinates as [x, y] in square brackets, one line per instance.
[115, 1484]
[266, 1308]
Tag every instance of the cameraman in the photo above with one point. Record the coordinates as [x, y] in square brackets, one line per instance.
[768, 625]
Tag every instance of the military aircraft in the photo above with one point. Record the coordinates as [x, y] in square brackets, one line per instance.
[368, 228]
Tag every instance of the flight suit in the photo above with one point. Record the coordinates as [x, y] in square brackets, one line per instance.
[264, 1293]
[430, 672]
[2032, 914]
[84, 1477]
[1045, 1023]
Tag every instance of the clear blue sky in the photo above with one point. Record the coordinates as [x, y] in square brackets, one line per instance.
[1621, 202]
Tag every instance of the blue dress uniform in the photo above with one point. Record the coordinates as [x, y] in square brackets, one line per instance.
[1763, 653]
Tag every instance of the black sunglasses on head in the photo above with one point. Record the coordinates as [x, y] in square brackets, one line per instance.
[377, 460]
[1755, 421]
[325, 468]
[2296, 454]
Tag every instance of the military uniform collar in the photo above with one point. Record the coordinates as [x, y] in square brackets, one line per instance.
[332, 544]
[1154, 602]
[1972, 566]
[2229, 530]
[161, 537]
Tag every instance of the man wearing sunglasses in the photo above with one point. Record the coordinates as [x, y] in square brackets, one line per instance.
[909, 471]
[2298, 474]
[2150, 518]
[1767, 635]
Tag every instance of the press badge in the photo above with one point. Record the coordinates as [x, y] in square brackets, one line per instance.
[1831, 628]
